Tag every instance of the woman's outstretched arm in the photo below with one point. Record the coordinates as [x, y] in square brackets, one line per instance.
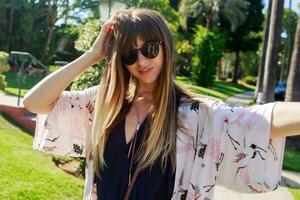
[285, 119]
[41, 98]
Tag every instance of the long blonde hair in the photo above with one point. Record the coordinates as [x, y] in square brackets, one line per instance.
[118, 88]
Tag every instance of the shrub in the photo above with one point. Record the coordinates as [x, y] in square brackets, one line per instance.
[87, 35]
[184, 53]
[3, 83]
[4, 66]
[208, 51]
[251, 80]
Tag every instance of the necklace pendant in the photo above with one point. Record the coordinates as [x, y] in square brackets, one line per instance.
[137, 126]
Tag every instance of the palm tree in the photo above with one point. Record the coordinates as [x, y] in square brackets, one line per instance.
[293, 83]
[264, 52]
[211, 10]
[270, 75]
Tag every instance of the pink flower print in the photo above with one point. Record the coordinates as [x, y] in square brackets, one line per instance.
[239, 156]
[90, 107]
[226, 120]
[185, 148]
[47, 148]
[255, 190]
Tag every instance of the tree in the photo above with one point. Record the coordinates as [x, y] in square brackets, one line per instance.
[259, 83]
[289, 24]
[208, 12]
[209, 47]
[270, 75]
[246, 37]
[293, 83]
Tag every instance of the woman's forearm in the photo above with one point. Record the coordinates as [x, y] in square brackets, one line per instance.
[41, 97]
[285, 119]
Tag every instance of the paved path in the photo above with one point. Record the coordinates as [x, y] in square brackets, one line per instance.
[241, 99]
[10, 100]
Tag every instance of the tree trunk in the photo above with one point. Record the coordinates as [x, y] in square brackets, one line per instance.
[260, 79]
[270, 74]
[52, 14]
[236, 67]
[10, 28]
[293, 83]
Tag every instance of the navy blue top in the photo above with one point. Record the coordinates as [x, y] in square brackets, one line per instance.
[150, 184]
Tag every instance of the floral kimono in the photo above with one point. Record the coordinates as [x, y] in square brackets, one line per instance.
[218, 145]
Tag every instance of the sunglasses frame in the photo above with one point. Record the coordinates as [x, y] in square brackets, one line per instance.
[125, 59]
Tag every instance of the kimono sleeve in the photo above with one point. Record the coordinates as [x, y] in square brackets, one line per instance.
[64, 130]
[248, 160]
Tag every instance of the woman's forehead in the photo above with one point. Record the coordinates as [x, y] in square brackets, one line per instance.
[138, 43]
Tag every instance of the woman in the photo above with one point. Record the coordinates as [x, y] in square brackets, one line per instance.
[143, 136]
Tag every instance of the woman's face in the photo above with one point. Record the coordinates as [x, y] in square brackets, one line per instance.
[146, 70]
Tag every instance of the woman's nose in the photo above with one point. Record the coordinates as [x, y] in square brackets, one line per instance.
[141, 58]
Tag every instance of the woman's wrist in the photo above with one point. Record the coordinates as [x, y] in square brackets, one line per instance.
[93, 56]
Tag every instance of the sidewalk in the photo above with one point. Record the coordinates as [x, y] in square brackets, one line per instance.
[10, 100]
[242, 99]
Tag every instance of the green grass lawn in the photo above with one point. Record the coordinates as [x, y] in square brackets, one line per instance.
[13, 84]
[221, 90]
[29, 174]
[292, 162]
[295, 192]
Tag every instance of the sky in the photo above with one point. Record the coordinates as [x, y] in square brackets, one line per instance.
[286, 5]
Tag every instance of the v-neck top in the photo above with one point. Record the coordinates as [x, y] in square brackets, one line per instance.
[151, 184]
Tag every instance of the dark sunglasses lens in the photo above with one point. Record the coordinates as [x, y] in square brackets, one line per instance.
[131, 58]
[150, 50]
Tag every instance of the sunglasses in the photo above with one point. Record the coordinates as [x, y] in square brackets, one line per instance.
[149, 50]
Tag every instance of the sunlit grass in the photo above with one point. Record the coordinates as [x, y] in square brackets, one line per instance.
[29, 174]
[221, 90]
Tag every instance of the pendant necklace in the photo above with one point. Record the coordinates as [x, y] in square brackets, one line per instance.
[133, 142]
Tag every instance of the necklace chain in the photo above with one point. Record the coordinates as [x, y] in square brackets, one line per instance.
[133, 141]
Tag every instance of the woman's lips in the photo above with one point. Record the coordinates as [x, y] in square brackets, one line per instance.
[145, 71]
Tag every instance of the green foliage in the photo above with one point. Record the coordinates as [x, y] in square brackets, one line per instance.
[250, 63]
[183, 58]
[163, 6]
[251, 80]
[4, 66]
[89, 78]
[246, 36]
[291, 159]
[87, 35]
[3, 83]
[208, 51]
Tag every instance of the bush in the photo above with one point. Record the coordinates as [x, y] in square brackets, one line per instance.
[3, 83]
[4, 66]
[91, 77]
[251, 80]
[208, 51]
[184, 53]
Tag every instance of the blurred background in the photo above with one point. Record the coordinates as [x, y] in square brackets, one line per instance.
[244, 52]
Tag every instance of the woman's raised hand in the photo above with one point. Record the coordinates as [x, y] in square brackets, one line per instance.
[100, 46]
